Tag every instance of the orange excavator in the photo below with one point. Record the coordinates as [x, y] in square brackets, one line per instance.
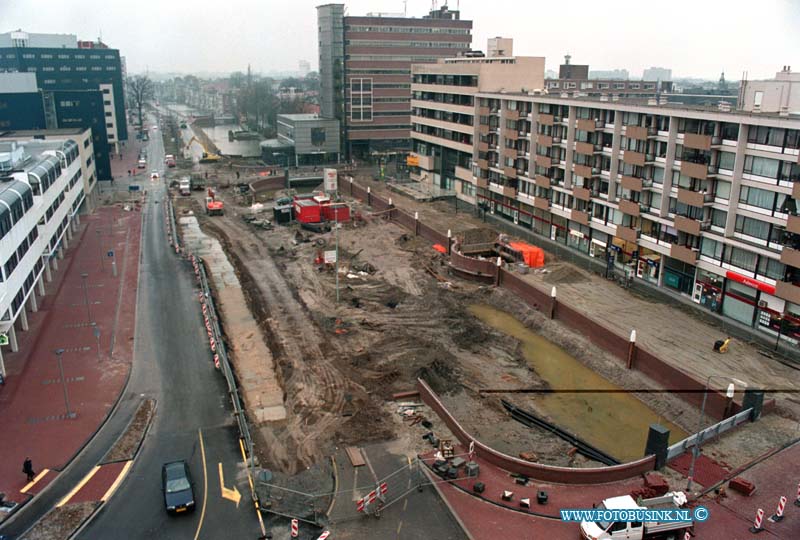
[213, 206]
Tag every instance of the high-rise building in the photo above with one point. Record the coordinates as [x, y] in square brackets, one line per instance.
[80, 84]
[365, 71]
[500, 46]
[657, 74]
[304, 67]
[779, 95]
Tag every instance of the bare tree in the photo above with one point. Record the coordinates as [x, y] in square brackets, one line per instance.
[140, 90]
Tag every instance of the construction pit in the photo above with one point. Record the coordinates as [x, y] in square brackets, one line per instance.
[398, 315]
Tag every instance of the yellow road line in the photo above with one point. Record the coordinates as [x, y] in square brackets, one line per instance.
[33, 482]
[77, 488]
[120, 477]
[252, 488]
[205, 485]
[399, 526]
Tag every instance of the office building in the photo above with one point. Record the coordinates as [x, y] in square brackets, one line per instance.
[313, 140]
[81, 85]
[41, 191]
[657, 74]
[365, 71]
[445, 112]
[700, 201]
[610, 74]
[500, 46]
[577, 81]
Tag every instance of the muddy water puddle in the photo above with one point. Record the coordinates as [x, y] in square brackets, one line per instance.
[616, 423]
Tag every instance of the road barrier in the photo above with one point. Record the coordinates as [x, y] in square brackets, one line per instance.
[779, 512]
[757, 528]
[295, 528]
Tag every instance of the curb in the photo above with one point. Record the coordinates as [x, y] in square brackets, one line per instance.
[447, 504]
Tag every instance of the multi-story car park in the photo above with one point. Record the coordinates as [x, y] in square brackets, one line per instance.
[41, 191]
[700, 201]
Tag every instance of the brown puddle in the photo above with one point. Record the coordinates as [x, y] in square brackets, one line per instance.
[616, 423]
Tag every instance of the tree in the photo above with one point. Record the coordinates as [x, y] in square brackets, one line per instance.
[140, 90]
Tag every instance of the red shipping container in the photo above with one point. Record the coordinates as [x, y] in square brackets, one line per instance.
[307, 211]
[336, 212]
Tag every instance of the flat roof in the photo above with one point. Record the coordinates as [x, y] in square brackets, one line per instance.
[304, 116]
[46, 132]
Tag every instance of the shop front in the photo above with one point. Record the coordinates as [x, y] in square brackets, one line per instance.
[648, 265]
[708, 290]
[597, 247]
[678, 275]
[578, 238]
[742, 302]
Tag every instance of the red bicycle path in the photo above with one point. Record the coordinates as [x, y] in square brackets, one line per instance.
[33, 420]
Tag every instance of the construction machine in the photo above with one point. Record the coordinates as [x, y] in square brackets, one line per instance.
[213, 206]
[208, 157]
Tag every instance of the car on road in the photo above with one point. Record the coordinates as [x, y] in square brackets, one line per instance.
[154, 175]
[178, 488]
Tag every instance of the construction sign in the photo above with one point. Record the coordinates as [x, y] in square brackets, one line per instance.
[3, 339]
[331, 180]
[412, 161]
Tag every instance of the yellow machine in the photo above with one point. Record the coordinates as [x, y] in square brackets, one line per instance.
[721, 345]
[208, 157]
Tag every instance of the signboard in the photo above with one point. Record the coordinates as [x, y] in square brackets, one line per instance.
[3, 339]
[331, 178]
[330, 256]
[412, 161]
[111, 253]
[750, 282]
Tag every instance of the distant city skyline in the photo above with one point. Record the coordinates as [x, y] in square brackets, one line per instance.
[190, 37]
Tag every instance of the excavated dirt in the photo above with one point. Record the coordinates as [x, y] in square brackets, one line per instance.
[399, 316]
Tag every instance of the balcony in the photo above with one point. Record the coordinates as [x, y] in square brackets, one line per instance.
[481, 182]
[793, 224]
[581, 193]
[631, 183]
[542, 181]
[636, 132]
[788, 291]
[546, 119]
[584, 148]
[510, 134]
[483, 146]
[483, 111]
[483, 129]
[582, 170]
[509, 152]
[543, 161]
[796, 190]
[693, 198]
[510, 172]
[629, 207]
[541, 203]
[629, 234]
[500, 189]
[632, 157]
[544, 140]
[579, 216]
[687, 225]
[463, 174]
[790, 257]
[585, 124]
[695, 170]
[425, 162]
[482, 164]
[511, 115]
[683, 253]
[698, 142]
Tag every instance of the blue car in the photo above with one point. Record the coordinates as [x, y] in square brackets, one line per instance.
[178, 488]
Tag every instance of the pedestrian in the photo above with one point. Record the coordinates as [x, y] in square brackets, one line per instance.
[237, 175]
[27, 468]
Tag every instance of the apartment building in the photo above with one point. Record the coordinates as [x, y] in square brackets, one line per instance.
[444, 111]
[699, 201]
[365, 71]
[574, 80]
[80, 84]
[41, 191]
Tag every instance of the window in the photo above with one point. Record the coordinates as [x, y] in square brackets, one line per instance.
[727, 160]
[711, 248]
[760, 166]
[757, 197]
[771, 268]
[740, 258]
[758, 98]
[752, 227]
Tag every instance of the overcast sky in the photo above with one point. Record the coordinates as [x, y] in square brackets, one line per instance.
[696, 38]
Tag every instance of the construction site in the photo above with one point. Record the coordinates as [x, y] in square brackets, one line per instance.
[342, 317]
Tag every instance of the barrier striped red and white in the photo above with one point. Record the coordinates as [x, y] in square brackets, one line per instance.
[687, 535]
[295, 528]
[758, 521]
[324, 535]
[372, 496]
[384, 487]
[781, 507]
[216, 361]
[797, 500]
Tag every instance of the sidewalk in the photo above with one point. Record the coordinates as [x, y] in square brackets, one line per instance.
[33, 421]
[130, 158]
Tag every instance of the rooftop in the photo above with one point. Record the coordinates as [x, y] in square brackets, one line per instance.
[32, 133]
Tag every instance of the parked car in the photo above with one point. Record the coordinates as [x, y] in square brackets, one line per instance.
[178, 488]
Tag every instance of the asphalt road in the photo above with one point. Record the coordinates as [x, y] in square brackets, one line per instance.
[193, 419]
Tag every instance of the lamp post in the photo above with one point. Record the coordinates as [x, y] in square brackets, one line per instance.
[102, 251]
[58, 353]
[696, 448]
[86, 296]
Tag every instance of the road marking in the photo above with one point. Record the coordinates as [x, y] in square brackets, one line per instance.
[205, 484]
[230, 494]
[77, 488]
[33, 482]
[399, 526]
[253, 491]
[405, 504]
[120, 477]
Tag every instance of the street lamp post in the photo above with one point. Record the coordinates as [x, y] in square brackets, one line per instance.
[59, 352]
[96, 332]
[102, 251]
[696, 448]
[86, 296]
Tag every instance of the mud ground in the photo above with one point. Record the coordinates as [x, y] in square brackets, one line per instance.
[401, 316]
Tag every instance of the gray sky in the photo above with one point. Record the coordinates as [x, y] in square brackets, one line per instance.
[696, 38]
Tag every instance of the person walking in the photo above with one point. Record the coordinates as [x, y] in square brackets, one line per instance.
[27, 468]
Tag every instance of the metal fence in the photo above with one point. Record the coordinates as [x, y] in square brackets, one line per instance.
[708, 433]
